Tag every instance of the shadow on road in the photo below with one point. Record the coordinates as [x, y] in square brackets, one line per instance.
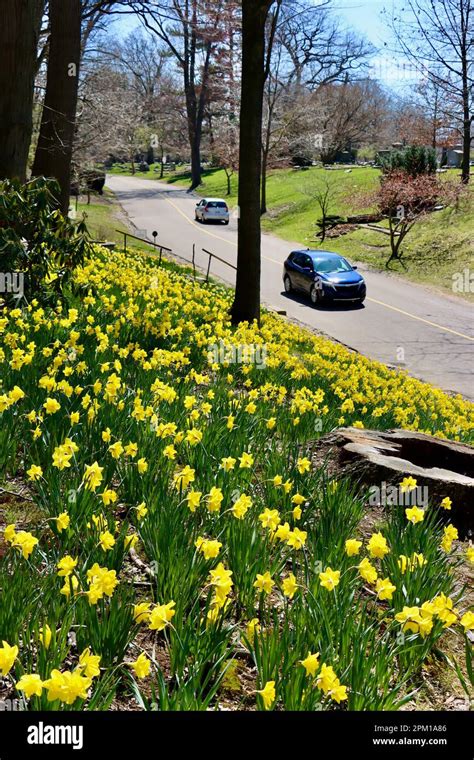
[305, 301]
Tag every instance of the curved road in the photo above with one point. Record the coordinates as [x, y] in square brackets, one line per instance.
[401, 324]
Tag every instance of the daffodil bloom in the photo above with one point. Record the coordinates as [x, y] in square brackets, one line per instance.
[378, 546]
[193, 500]
[443, 608]
[141, 612]
[367, 571]
[470, 554]
[45, 636]
[467, 621]
[326, 679]
[102, 582]
[93, 476]
[184, 477]
[246, 461]
[106, 540]
[296, 538]
[253, 627]
[67, 686]
[89, 663]
[408, 484]
[69, 582]
[352, 547]
[290, 586]
[283, 531]
[414, 514]
[35, 472]
[385, 588]
[8, 655]
[415, 620]
[209, 548]
[264, 582]
[268, 694]
[303, 465]
[446, 503]
[450, 534]
[228, 463]
[161, 615]
[51, 406]
[25, 542]
[9, 533]
[142, 466]
[169, 452]
[142, 511]
[311, 664]
[31, 684]
[241, 506]
[131, 450]
[66, 565]
[270, 518]
[62, 521]
[141, 666]
[329, 579]
[214, 499]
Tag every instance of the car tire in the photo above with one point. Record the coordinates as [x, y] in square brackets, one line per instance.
[287, 284]
[315, 295]
[226, 223]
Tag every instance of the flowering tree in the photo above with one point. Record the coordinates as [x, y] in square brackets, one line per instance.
[404, 200]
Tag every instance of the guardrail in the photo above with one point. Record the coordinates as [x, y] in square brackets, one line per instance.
[155, 245]
[211, 256]
[161, 248]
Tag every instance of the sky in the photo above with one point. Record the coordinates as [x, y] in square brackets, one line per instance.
[361, 16]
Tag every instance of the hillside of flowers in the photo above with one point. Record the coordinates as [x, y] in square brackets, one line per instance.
[167, 539]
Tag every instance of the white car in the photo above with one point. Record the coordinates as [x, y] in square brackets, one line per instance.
[212, 210]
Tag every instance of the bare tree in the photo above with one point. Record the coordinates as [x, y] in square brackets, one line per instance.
[438, 37]
[325, 194]
[191, 30]
[309, 51]
[19, 35]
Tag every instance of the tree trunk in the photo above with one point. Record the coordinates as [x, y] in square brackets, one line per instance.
[466, 148]
[195, 160]
[19, 34]
[263, 202]
[246, 306]
[54, 150]
[162, 161]
[229, 186]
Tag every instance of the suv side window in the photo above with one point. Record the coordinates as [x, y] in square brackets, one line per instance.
[298, 259]
[308, 262]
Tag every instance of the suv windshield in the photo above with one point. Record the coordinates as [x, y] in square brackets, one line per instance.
[332, 265]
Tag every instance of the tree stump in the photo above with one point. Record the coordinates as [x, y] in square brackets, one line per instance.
[445, 468]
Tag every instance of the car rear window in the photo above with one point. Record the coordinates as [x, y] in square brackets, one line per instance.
[217, 204]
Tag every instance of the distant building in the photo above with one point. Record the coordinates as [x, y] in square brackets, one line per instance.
[452, 157]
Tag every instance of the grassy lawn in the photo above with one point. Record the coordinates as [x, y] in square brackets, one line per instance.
[104, 217]
[438, 248]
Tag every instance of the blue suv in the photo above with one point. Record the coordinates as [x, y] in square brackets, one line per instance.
[327, 277]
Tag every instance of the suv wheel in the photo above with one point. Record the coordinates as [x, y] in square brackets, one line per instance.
[287, 284]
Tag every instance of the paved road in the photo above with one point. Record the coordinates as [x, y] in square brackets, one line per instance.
[400, 324]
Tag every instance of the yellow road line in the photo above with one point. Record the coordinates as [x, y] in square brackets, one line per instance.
[421, 319]
[279, 263]
[212, 234]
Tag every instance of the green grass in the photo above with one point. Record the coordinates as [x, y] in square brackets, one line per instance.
[104, 217]
[438, 247]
